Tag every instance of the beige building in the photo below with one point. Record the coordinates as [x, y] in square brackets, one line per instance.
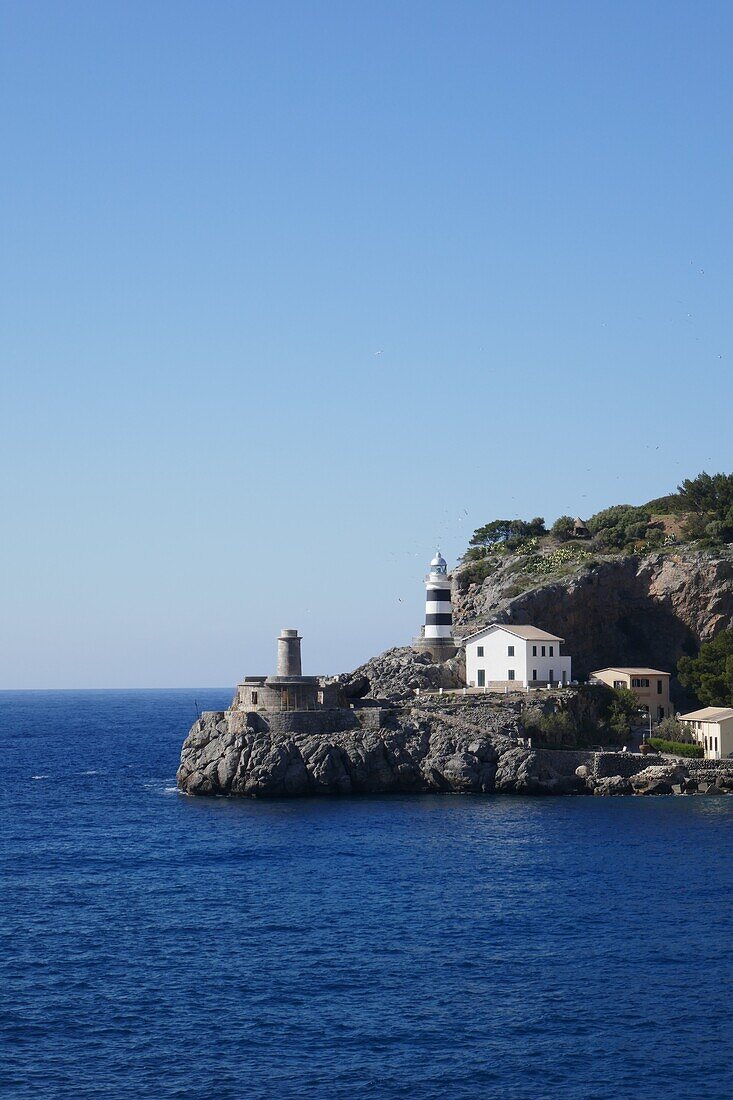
[649, 685]
[711, 727]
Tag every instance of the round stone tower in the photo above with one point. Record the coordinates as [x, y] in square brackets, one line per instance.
[288, 653]
[288, 689]
[437, 634]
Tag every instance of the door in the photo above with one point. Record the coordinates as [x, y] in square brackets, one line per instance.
[481, 678]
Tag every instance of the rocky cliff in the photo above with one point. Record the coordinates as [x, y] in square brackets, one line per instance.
[398, 673]
[471, 747]
[645, 610]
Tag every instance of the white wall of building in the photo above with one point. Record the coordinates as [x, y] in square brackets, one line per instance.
[496, 661]
[527, 661]
[715, 737]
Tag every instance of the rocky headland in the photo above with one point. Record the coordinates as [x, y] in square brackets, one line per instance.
[466, 746]
[392, 732]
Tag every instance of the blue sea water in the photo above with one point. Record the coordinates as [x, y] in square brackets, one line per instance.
[153, 945]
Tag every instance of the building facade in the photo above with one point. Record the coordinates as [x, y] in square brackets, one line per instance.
[649, 685]
[711, 727]
[505, 656]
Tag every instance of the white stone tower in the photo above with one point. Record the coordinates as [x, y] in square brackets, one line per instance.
[437, 635]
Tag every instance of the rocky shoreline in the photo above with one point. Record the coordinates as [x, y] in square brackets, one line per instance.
[418, 747]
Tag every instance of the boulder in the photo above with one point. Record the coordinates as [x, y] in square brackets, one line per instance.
[399, 673]
[613, 785]
[658, 779]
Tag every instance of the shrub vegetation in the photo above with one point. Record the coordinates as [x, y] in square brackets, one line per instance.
[709, 500]
[508, 533]
[680, 748]
[709, 676]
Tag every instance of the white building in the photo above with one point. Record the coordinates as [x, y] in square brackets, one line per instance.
[711, 727]
[501, 656]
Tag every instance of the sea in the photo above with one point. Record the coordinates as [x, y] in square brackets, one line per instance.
[159, 946]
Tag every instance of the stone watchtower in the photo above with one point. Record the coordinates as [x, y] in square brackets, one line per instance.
[288, 654]
[288, 689]
[437, 633]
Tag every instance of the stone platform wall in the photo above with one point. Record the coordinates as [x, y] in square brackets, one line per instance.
[309, 721]
[703, 769]
[604, 764]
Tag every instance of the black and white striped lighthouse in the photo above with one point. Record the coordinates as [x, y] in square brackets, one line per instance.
[437, 634]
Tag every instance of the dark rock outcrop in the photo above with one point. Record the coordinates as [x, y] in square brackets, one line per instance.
[659, 779]
[397, 673]
[473, 747]
[419, 748]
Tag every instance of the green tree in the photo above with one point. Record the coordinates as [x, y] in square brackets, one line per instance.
[709, 676]
[511, 532]
[670, 729]
[623, 713]
[563, 527]
[670, 505]
[615, 528]
[709, 499]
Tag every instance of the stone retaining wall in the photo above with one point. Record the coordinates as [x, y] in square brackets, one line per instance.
[602, 764]
[704, 768]
[621, 763]
[309, 721]
[372, 718]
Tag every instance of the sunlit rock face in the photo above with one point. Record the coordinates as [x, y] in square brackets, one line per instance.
[626, 610]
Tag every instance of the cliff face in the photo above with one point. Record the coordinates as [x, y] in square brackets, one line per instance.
[414, 749]
[631, 610]
[475, 747]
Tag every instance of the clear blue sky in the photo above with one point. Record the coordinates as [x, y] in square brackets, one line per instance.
[288, 288]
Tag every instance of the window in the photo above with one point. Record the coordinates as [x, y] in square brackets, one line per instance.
[639, 682]
[660, 713]
[481, 678]
[254, 698]
[619, 684]
[534, 673]
[479, 651]
[510, 674]
[552, 651]
[543, 651]
[510, 651]
[534, 650]
[659, 687]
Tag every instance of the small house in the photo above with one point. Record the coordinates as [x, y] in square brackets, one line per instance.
[649, 685]
[504, 656]
[711, 727]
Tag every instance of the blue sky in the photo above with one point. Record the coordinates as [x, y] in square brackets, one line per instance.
[288, 289]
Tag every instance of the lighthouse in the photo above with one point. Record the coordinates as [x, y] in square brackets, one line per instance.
[437, 633]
